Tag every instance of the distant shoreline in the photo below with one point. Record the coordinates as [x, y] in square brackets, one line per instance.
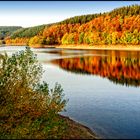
[94, 47]
[102, 47]
[83, 47]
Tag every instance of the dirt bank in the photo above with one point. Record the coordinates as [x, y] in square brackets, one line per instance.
[76, 130]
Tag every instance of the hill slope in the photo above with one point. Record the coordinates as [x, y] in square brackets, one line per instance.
[7, 30]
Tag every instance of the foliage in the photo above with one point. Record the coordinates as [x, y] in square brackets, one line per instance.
[37, 40]
[28, 108]
[80, 19]
[81, 36]
[17, 41]
[126, 11]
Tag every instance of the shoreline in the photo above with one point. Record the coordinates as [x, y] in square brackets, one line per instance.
[101, 47]
[84, 47]
[77, 130]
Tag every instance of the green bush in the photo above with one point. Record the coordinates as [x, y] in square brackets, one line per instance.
[28, 109]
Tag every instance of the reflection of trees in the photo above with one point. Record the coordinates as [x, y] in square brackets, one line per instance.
[123, 70]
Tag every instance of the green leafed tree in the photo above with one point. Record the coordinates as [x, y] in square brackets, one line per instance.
[28, 108]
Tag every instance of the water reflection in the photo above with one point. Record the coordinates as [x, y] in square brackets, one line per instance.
[120, 70]
[120, 67]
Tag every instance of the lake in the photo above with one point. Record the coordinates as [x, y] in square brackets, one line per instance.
[103, 87]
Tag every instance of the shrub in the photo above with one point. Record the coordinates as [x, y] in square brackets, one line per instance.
[28, 109]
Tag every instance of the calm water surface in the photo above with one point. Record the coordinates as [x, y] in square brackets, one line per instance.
[103, 87]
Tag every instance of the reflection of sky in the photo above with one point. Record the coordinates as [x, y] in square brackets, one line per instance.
[31, 13]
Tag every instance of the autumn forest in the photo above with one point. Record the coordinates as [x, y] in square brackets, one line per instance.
[119, 26]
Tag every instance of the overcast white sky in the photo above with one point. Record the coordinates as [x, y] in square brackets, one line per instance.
[32, 13]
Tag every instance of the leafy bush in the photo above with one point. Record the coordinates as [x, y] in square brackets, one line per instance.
[28, 109]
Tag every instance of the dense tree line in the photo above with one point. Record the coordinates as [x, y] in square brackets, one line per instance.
[80, 19]
[126, 11]
[120, 26]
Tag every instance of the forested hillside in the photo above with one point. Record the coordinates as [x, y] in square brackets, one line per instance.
[29, 32]
[7, 30]
[120, 26]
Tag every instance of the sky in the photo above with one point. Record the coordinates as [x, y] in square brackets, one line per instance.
[33, 13]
